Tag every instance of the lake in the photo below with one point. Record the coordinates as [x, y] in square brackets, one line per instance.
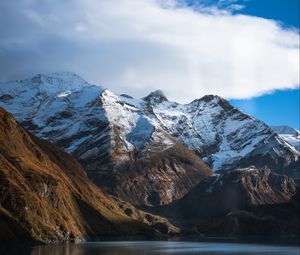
[159, 248]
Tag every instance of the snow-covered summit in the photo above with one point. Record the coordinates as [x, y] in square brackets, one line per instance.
[287, 130]
[222, 135]
[60, 81]
[289, 134]
[87, 120]
[44, 96]
[155, 97]
[47, 83]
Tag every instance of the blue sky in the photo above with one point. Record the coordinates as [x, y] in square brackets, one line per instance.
[282, 106]
[237, 49]
[278, 108]
[286, 11]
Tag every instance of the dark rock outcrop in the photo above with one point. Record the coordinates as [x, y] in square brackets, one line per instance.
[239, 203]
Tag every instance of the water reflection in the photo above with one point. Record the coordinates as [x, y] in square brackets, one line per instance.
[161, 248]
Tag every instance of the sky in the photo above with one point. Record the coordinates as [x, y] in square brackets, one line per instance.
[246, 51]
[280, 107]
[277, 108]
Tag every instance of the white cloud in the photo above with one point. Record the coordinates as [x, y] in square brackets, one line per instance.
[136, 46]
[231, 5]
[237, 7]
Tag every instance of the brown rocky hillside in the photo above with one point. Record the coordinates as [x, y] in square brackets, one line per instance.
[46, 196]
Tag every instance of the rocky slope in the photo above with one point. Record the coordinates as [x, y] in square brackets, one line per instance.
[122, 149]
[225, 137]
[147, 151]
[289, 134]
[46, 196]
[240, 202]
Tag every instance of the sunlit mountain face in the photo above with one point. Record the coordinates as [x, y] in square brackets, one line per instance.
[184, 130]
[169, 159]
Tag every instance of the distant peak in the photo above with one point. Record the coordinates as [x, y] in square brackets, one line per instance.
[63, 76]
[208, 98]
[284, 129]
[157, 93]
[215, 100]
[59, 81]
[127, 96]
[108, 93]
[156, 97]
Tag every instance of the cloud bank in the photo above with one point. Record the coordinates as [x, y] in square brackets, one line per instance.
[137, 46]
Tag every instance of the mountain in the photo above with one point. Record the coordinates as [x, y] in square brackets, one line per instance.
[289, 134]
[122, 149]
[45, 196]
[287, 130]
[151, 152]
[147, 151]
[240, 202]
[225, 137]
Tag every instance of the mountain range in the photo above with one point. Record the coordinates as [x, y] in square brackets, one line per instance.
[150, 152]
[47, 197]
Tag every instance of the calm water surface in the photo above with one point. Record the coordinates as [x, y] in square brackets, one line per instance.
[163, 247]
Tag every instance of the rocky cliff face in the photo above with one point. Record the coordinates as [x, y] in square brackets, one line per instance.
[148, 151]
[240, 202]
[46, 196]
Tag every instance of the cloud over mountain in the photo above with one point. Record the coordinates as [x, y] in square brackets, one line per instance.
[136, 46]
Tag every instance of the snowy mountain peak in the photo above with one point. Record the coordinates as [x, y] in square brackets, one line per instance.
[41, 86]
[59, 76]
[84, 118]
[60, 81]
[213, 100]
[208, 98]
[126, 96]
[287, 130]
[156, 97]
[289, 134]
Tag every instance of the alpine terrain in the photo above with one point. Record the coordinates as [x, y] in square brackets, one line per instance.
[206, 168]
[45, 196]
[147, 151]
